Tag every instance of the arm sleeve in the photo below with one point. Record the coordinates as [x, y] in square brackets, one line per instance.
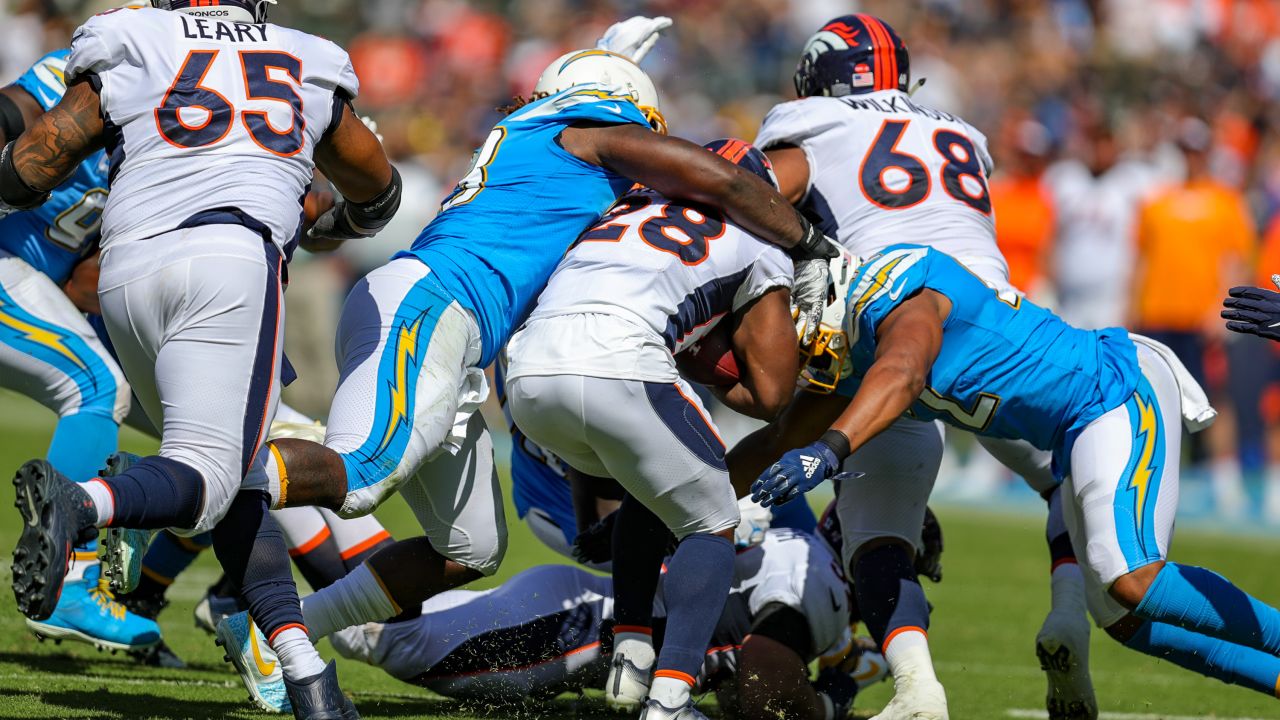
[772, 269]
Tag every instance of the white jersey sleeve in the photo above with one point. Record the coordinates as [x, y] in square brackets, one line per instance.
[884, 169]
[208, 121]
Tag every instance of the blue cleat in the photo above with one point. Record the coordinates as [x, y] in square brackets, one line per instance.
[88, 613]
[123, 549]
[246, 648]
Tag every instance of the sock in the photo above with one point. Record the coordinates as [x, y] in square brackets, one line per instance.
[356, 599]
[356, 538]
[155, 493]
[311, 545]
[907, 652]
[1232, 664]
[1066, 586]
[104, 503]
[699, 576]
[81, 444]
[670, 690]
[251, 548]
[298, 657]
[1203, 601]
[888, 592]
[166, 558]
[86, 556]
[795, 515]
[640, 541]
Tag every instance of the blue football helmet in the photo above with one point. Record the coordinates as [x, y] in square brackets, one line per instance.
[746, 156]
[254, 11]
[853, 54]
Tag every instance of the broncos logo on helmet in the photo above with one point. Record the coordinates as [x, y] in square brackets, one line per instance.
[853, 54]
[253, 11]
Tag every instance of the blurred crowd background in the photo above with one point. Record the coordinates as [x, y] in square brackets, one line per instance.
[1136, 141]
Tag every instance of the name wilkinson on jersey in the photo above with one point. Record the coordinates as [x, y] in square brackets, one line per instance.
[897, 104]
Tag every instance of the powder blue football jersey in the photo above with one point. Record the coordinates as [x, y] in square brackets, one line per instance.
[55, 236]
[1008, 368]
[504, 228]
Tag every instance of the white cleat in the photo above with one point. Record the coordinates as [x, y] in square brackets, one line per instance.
[1063, 648]
[654, 710]
[627, 685]
[915, 699]
[246, 648]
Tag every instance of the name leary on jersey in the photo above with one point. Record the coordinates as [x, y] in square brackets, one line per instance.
[897, 103]
[201, 29]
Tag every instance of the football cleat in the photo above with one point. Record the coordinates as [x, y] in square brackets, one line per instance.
[319, 697]
[654, 710]
[1062, 645]
[88, 613]
[123, 549]
[915, 699]
[51, 508]
[247, 649]
[212, 608]
[628, 683]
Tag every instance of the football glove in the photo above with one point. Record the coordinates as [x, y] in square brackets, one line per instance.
[633, 38]
[1254, 311]
[809, 295]
[594, 546]
[798, 472]
[929, 560]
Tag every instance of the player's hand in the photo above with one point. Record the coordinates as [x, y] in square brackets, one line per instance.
[331, 230]
[634, 37]
[798, 472]
[594, 546]
[929, 561]
[809, 295]
[1254, 311]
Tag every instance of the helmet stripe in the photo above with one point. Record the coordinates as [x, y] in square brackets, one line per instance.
[882, 42]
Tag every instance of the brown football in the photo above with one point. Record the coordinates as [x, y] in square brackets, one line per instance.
[710, 360]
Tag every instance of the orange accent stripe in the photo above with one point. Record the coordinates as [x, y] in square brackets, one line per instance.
[676, 675]
[385, 591]
[271, 384]
[891, 57]
[282, 628]
[1064, 561]
[637, 629]
[357, 549]
[157, 577]
[311, 544]
[85, 555]
[188, 544]
[1277, 690]
[113, 499]
[883, 45]
[698, 410]
[584, 648]
[899, 631]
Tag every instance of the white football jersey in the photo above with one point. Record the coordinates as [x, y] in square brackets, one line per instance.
[668, 271]
[208, 121]
[884, 169]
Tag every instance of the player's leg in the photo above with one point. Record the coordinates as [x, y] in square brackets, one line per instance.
[881, 514]
[356, 539]
[1125, 485]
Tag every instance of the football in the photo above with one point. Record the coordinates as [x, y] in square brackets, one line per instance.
[710, 360]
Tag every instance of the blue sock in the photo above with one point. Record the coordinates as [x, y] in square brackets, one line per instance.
[79, 449]
[321, 566]
[1207, 603]
[251, 547]
[169, 555]
[1232, 664]
[888, 592]
[697, 585]
[156, 493]
[796, 515]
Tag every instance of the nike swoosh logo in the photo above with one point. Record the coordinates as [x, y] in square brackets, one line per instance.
[612, 108]
[1274, 325]
[33, 518]
[264, 668]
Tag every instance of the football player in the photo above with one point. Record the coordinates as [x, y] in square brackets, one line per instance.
[927, 336]
[596, 360]
[214, 121]
[876, 167]
[49, 352]
[546, 631]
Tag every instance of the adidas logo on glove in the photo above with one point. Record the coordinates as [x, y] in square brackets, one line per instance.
[810, 464]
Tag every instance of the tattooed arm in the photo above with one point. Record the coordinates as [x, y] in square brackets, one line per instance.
[48, 152]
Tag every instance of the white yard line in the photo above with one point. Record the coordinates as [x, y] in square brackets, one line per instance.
[1036, 714]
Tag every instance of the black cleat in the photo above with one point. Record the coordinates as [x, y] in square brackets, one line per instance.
[319, 697]
[51, 527]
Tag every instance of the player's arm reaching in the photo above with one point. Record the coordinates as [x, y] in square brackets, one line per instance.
[1254, 311]
[764, 333]
[907, 344]
[50, 149]
[353, 159]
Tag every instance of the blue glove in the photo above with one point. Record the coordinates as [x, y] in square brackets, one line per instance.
[798, 472]
[1253, 311]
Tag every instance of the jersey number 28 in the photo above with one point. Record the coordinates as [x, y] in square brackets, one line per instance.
[194, 116]
[897, 180]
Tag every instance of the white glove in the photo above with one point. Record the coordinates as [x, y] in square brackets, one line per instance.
[373, 127]
[633, 37]
[755, 521]
[809, 295]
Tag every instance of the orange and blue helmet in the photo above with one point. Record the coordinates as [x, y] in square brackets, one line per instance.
[253, 11]
[746, 156]
[853, 54]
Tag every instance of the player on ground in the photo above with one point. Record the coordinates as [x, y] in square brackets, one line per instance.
[926, 336]
[878, 168]
[546, 631]
[214, 123]
[416, 333]
[596, 360]
[49, 352]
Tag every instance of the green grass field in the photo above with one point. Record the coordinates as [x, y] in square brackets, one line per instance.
[988, 610]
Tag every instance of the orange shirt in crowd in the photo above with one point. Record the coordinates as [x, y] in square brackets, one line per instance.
[1024, 227]
[1187, 236]
[1269, 256]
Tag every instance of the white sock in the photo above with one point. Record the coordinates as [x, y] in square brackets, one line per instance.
[1067, 587]
[298, 657]
[908, 655]
[636, 647]
[84, 559]
[356, 599]
[103, 502]
[671, 692]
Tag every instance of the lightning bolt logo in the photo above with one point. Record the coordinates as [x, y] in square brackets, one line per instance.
[406, 352]
[1145, 469]
[52, 339]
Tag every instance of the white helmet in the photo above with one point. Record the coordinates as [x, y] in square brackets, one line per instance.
[581, 67]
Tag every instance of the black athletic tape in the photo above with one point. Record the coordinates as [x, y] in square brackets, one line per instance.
[786, 625]
[370, 217]
[838, 443]
[11, 121]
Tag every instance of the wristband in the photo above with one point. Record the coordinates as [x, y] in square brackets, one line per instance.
[14, 191]
[838, 443]
[367, 218]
